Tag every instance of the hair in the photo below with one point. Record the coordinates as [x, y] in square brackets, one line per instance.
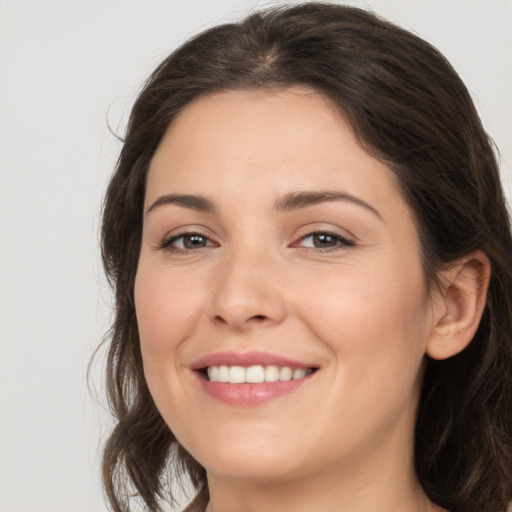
[408, 108]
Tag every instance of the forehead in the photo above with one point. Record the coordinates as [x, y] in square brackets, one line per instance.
[251, 141]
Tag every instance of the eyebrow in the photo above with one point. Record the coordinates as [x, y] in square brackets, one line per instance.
[296, 200]
[198, 203]
[289, 202]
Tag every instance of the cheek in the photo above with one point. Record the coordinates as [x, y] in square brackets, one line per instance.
[372, 303]
[373, 323]
[169, 304]
[166, 317]
[376, 332]
[166, 308]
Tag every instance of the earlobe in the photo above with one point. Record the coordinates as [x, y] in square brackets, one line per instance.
[464, 294]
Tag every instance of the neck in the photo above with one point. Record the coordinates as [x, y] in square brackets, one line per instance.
[309, 496]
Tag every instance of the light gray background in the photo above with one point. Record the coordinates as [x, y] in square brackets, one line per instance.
[66, 67]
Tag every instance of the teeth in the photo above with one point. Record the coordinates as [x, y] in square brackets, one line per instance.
[237, 374]
[213, 373]
[255, 374]
[285, 373]
[300, 373]
[223, 373]
[271, 374]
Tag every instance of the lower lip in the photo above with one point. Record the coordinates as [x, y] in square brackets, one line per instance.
[248, 394]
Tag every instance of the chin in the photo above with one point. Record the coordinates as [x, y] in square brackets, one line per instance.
[248, 457]
[251, 468]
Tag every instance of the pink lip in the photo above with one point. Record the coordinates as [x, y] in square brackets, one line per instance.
[246, 395]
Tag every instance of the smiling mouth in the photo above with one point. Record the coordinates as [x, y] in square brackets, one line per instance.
[254, 374]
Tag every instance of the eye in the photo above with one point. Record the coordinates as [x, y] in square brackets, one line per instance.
[186, 242]
[324, 240]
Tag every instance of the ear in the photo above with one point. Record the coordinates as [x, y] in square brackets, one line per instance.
[462, 302]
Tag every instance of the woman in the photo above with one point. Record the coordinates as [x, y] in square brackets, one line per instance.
[311, 255]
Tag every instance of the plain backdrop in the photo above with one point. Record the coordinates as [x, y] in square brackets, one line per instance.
[68, 70]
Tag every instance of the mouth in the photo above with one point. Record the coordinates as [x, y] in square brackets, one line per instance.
[255, 374]
[251, 378]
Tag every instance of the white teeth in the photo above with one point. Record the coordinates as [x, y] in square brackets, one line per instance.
[223, 373]
[255, 374]
[285, 373]
[271, 374]
[237, 374]
[213, 373]
[300, 373]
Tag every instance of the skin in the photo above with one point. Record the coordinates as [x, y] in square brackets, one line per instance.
[357, 310]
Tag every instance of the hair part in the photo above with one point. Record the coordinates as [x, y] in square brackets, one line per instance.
[408, 108]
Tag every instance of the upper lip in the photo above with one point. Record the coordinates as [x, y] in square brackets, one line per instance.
[247, 359]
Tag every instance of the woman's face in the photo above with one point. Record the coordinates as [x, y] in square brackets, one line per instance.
[279, 255]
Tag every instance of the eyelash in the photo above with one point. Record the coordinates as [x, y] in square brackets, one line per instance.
[166, 243]
[342, 242]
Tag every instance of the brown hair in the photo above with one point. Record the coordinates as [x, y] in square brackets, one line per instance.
[408, 108]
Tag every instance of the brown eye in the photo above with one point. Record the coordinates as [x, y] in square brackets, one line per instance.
[324, 240]
[187, 242]
[194, 241]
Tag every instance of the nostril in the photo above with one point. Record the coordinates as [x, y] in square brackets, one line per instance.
[258, 317]
[241, 323]
[219, 319]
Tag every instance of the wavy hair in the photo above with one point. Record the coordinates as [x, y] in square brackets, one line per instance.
[408, 108]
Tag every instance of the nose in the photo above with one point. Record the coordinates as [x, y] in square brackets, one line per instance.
[248, 293]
